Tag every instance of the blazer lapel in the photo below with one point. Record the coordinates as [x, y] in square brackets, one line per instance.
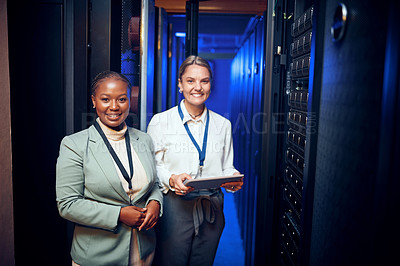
[102, 156]
[142, 152]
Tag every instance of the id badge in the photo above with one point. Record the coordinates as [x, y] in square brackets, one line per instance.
[199, 171]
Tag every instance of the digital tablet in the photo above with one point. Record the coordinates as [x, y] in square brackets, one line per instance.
[211, 182]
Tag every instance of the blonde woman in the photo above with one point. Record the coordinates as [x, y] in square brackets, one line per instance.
[190, 142]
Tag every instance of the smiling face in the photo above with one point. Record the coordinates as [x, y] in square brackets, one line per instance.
[111, 101]
[196, 86]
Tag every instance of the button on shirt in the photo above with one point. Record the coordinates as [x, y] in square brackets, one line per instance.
[176, 154]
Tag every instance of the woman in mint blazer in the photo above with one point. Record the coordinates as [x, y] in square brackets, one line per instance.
[106, 183]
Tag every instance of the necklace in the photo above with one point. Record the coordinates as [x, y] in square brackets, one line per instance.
[194, 116]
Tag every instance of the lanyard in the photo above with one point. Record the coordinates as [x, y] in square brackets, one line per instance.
[114, 155]
[202, 152]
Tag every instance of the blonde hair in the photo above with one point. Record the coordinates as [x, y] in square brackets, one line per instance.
[194, 60]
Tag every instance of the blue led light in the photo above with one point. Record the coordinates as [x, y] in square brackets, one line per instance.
[180, 34]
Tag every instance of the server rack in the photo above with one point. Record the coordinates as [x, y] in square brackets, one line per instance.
[247, 74]
[339, 170]
[295, 138]
[130, 54]
[161, 61]
[320, 200]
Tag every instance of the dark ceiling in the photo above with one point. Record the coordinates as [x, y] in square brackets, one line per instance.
[216, 6]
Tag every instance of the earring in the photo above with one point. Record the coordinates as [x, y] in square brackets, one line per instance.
[180, 90]
[94, 107]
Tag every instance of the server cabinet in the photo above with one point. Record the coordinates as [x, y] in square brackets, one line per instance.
[387, 199]
[279, 214]
[330, 201]
[147, 59]
[130, 54]
[297, 80]
[161, 62]
[254, 147]
[36, 61]
[176, 53]
[347, 152]
[122, 37]
[247, 72]
[76, 65]
[331, 141]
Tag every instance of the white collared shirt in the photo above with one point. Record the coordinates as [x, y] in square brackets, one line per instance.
[176, 154]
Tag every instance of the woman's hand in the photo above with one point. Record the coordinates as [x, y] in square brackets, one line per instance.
[132, 215]
[152, 215]
[233, 186]
[176, 182]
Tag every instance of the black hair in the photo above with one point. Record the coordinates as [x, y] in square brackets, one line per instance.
[102, 76]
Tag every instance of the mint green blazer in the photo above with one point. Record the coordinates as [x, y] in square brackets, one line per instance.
[90, 194]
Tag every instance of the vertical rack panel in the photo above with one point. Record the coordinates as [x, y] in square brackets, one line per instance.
[241, 123]
[147, 57]
[256, 131]
[295, 135]
[248, 98]
[161, 56]
[130, 54]
[246, 118]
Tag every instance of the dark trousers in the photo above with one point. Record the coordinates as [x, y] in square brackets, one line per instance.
[178, 241]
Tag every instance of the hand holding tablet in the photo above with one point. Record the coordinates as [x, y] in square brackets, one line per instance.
[211, 182]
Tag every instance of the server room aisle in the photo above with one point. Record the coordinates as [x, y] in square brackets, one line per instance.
[230, 250]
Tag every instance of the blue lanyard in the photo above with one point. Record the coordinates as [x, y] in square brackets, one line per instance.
[202, 152]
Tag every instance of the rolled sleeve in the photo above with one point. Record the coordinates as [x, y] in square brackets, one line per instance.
[227, 166]
[163, 173]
